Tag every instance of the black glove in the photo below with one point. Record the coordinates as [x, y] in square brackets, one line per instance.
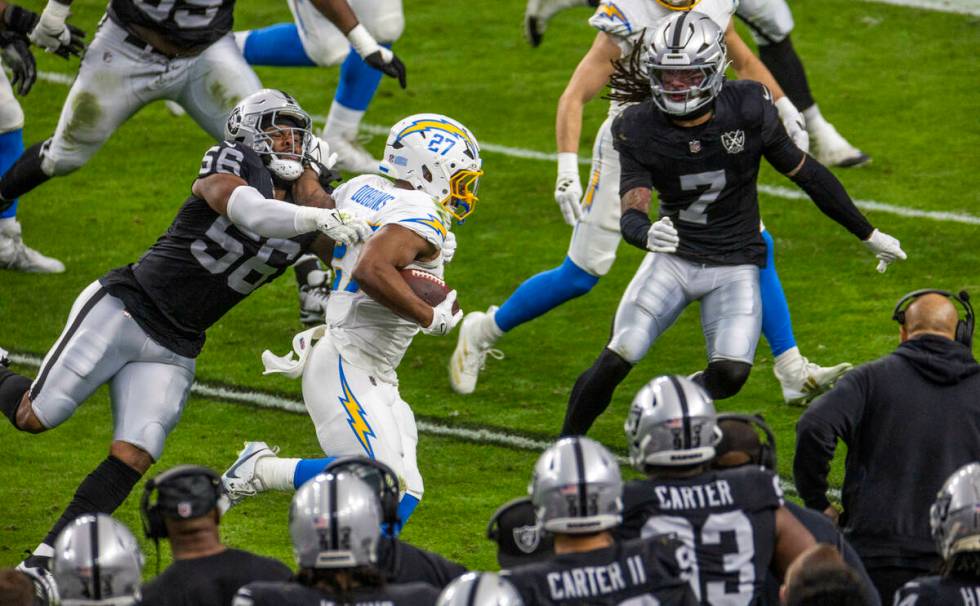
[75, 46]
[394, 67]
[20, 20]
[16, 51]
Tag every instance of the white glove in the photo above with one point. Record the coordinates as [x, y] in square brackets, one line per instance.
[449, 247]
[338, 226]
[320, 152]
[51, 33]
[443, 318]
[886, 248]
[794, 123]
[568, 188]
[662, 237]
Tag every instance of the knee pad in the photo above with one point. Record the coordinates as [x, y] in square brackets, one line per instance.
[11, 114]
[388, 28]
[724, 378]
[385, 19]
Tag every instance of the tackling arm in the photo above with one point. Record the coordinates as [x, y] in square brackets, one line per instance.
[389, 250]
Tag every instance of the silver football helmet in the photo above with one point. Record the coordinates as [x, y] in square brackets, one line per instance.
[955, 516]
[576, 487]
[335, 522]
[672, 422]
[480, 589]
[686, 60]
[97, 561]
[266, 116]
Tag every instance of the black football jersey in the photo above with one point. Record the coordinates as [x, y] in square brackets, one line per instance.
[705, 176]
[294, 594]
[403, 562]
[204, 264]
[728, 518]
[186, 23]
[938, 591]
[624, 573]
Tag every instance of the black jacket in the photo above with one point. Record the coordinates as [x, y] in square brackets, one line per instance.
[909, 420]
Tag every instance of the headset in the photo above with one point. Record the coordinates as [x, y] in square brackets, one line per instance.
[194, 505]
[379, 477]
[767, 449]
[964, 327]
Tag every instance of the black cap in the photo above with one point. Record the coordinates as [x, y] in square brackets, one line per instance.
[189, 493]
[520, 540]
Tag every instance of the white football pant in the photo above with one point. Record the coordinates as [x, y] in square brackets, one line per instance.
[327, 46]
[11, 115]
[770, 21]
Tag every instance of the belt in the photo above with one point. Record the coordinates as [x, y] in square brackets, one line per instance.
[143, 45]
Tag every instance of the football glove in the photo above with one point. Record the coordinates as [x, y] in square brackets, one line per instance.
[375, 55]
[16, 53]
[568, 188]
[449, 247]
[336, 225]
[886, 248]
[443, 318]
[54, 35]
[794, 123]
[662, 237]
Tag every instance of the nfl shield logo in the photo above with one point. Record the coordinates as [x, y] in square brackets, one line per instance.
[733, 141]
[694, 146]
[184, 509]
[527, 538]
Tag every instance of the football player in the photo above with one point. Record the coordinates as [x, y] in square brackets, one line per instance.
[955, 521]
[97, 562]
[770, 22]
[480, 589]
[16, 25]
[140, 327]
[595, 216]
[577, 495]
[322, 34]
[698, 142]
[350, 384]
[335, 525]
[734, 520]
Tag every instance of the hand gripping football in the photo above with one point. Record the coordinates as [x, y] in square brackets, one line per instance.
[427, 286]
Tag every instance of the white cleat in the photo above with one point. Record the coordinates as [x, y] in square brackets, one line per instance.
[537, 13]
[176, 109]
[16, 255]
[351, 156]
[239, 480]
[313, 299]
[809, 380]
[470, 356]
[832, 149]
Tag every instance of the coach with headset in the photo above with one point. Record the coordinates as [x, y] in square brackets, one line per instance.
[909, 420]
[184, 510]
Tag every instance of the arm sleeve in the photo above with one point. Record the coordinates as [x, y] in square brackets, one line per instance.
[834, 415]
[831, 198]
[248, 208]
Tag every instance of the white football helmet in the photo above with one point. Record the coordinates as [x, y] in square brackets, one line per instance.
[266, 114]
[437, 155]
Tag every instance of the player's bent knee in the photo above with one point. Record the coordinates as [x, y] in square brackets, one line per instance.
[387, 28]
[132, 455]
[326, 55]
[630, 345]
[724, 378]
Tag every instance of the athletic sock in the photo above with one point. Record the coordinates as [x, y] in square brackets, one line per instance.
[814, 119]
[358, 83]
[102, 491]
[489, 329]
[543, 292]
[342, 121]
[307, 469]
[275, 473]
[777, 326]
[786, 67]
[593, 391]
[12, 389]
[11, 148]
[405, 509]
[277, 45]
[25, 174]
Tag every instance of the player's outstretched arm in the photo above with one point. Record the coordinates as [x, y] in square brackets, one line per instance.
[591, 74]
[792, 539]
[383, 59]
[392, 248]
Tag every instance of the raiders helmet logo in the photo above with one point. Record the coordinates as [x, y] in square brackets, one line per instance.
[527, 538]
[733, 141]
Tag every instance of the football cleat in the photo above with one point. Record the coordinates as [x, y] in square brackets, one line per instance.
[239, 480]
[801, 383]
[313, 299]
[537, 13]
[4, 357]
[832, 149]
[470, 356]
[351, 155]
[16, 255]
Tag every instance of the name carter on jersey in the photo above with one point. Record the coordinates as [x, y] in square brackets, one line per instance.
[699, 496]
[590, 581]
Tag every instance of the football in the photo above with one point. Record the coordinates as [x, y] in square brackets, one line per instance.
[427, 286]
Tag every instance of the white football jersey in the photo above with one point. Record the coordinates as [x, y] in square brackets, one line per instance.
[367, 333]
[626, 20]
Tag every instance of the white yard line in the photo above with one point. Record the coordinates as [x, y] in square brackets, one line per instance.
[962, 7]
[469, 434]
[772, 190]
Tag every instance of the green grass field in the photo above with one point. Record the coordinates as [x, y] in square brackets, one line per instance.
[895, 81]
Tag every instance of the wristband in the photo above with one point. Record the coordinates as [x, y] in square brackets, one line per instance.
[362, 41]
[567, 163]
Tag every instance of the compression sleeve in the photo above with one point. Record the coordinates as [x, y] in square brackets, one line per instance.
[831, 198]
[634, 225]
[248, 208]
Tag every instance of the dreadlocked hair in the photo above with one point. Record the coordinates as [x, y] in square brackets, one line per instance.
[629, 82]
[326, 580]
[964, 565]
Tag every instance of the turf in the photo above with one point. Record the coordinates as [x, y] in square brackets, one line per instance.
[893, 80]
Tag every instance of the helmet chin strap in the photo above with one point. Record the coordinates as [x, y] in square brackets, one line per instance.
[287, 170]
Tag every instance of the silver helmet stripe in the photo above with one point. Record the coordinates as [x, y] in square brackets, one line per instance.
[685, 411]
[583, 501]
[332, 510]
[93, 531]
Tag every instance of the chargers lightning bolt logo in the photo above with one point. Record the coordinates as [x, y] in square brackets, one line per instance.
[355, 414]
[613, 13]
[431, 222]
